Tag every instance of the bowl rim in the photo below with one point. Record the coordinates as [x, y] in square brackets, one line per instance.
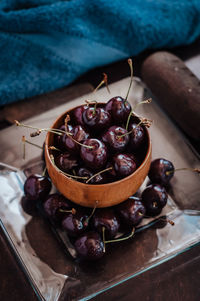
[148, 154]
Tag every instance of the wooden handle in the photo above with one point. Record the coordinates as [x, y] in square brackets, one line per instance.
[176, 88]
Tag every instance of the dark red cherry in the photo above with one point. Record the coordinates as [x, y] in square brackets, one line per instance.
[97, 119]
[112, 137]
[159, 169]
[29, 206]
[111, 174]
[98, 179]
[131, 211]
[119, 109]
[75, 224]
[37, 187]
[94, 157]
[124, 164]
[79, 134]
[59, 140]
[105, 217]
[54, 203]
[66, 162]
[85, 172]
[137, 137]
[78, 114]
[90, 246]
[154, 198]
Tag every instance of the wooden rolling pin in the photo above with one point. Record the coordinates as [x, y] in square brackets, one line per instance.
[176, 88]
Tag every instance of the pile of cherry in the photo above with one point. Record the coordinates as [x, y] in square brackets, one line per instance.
[97, 144]
[91, 230]
[95, 147]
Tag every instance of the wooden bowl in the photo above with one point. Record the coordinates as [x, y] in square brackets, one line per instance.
[104, 195]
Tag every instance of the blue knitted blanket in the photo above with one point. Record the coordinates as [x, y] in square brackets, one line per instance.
[46, 44]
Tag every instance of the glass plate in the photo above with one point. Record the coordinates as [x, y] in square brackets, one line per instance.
[50, 267]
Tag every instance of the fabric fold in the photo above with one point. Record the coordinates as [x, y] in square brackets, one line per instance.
[45, 45]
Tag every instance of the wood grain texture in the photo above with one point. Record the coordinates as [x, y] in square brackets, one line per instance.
[177, 89]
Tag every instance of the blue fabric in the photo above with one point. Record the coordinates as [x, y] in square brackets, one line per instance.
[47, 44]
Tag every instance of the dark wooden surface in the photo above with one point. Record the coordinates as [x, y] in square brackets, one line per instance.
[175, 280]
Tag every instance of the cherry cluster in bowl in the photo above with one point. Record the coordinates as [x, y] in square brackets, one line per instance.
[100, 143]
[91, 230]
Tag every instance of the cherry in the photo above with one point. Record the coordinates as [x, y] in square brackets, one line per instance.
[124, 164]
[85, 172]
[78, 114]
[119, 109]
[75, 224]
[78, 134]
[154, 198]
[131, 211]
[29, 206]
[89, 246]
[158, 171]
[105, 217]
[111, 174]
[37, 187]
[162, 170]
[59, 139]
[137, 135]
[96, 119]
[116, 139]
[66, 162]
[94, 157]
[56, 205]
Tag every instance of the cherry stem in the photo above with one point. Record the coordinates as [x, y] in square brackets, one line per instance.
[98, 173]
[154, 204]
[122, 238]
[132, 111]
[184, 168]
[54, 148]
[66, 174]
[103, 237]
[120, 136]
[104, 81]
[149, 100]
[160, 218]
[67, 119]
[44, 172]
[24, 147]
[95, 108]
[31, 143]
[73, 210]
[81, 144]
[54, 131]
[131, 81]
[144, 121]
[92, 213]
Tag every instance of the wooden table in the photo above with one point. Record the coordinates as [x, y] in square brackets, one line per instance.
[180, 276]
